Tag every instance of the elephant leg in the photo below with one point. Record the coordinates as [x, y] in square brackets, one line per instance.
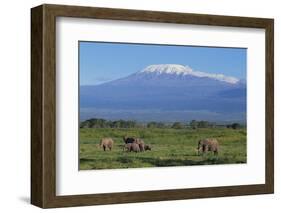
[204, 148]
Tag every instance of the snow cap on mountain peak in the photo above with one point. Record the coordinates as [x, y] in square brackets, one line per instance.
[166, 68]
[178, 69]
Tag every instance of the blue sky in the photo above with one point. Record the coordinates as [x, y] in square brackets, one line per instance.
[101, 62]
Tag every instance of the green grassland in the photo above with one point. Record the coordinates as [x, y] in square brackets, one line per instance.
[170, 147]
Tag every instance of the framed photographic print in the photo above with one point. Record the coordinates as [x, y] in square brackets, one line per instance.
[136, 106]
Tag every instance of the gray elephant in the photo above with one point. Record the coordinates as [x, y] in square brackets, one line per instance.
[106, 143]
[208, 145]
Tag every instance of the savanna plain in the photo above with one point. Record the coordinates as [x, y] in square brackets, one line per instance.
[169, 147]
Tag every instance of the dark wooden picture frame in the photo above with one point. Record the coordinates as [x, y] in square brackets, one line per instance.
[43, 105]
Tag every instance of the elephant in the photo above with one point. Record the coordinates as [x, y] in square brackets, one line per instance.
[147, 147]
[141, 144]
[132, 147]
[132, 143]
[208, 144]
[106, 143]
[128, 140]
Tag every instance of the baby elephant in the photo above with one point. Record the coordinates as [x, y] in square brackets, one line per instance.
[208, 144]
[132, 147]
[147, 147]
[106, 143]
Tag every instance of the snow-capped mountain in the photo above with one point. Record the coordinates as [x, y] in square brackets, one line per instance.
[167, 88]
[175, 75]
[176, 69]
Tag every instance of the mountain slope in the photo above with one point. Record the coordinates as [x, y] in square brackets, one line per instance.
[168, 88]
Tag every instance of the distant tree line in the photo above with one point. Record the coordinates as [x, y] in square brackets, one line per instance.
[102, 123]
[201, 124]
[233, 126]
[194, 124]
